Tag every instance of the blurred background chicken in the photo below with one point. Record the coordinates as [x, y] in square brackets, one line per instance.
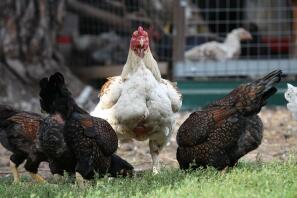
[227, 129]
[291, 97]
[18, 132]
[91, 140]
[229, 49]
[139, 104]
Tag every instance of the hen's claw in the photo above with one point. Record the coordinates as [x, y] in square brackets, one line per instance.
[156, 170]
[37, 178]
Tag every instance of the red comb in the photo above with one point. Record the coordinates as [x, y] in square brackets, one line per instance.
[139, 41]
[139, 32]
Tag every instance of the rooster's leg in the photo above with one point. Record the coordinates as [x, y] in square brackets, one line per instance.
[155, 149]
[15, 172]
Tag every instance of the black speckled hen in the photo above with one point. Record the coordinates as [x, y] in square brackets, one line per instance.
[51, 142]
[91, 140]
[18, 132]
[227, 129]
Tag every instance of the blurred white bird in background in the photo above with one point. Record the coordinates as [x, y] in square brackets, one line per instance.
[291, 97]
[229, 49]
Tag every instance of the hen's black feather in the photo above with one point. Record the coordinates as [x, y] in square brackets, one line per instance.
[227, 129]
[18, 132]
[51, 142]
[91, 140]
[119, 166]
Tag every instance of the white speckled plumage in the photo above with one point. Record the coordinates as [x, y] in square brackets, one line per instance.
[291, 97]
[140, 95]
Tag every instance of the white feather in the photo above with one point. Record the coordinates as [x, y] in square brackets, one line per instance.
[291, 97]
[140, 94]
[229, 49]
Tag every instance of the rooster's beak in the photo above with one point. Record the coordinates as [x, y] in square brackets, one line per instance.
[141, 42]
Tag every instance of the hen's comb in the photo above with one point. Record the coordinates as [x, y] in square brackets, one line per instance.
[139, 32]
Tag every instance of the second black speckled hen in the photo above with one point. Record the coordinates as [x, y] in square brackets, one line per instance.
[227, 129]
[92, 141]
[51, 142]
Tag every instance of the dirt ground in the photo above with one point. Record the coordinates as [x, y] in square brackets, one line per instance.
[280, 139]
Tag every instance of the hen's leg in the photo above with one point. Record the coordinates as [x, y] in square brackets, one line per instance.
[56, 170]
[38, 178]
[81, 182]
[84, 169]
[15, 161]
[32, 165]
[155, 149]
[15, 172]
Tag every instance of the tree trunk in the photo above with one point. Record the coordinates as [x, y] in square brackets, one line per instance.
[28, 30]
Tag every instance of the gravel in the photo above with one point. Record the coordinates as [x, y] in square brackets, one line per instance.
[279, 141]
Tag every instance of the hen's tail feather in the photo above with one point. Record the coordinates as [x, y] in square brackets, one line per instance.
[57, 80]
[276, 74]
[6, 112]
[270, 79]
[256, 94]
[55, 96]
[268, 83]
[268, 94]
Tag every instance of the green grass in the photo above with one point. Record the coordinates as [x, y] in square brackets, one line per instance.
[275, 179]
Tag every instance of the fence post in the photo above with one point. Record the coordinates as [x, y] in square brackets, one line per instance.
[179, 25]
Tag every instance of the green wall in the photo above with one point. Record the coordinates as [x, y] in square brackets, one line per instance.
[200, 93]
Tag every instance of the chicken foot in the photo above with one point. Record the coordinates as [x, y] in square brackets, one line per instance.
[38, 178]
[81, 182]
[16, 175]
[155, 149]
[15, 172]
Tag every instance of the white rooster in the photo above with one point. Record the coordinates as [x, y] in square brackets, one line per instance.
[229, 49]
[139, 104]
[291, 97]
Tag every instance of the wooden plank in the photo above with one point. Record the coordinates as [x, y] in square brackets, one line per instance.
[294, 46]
[97, 72]
[179, 31]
